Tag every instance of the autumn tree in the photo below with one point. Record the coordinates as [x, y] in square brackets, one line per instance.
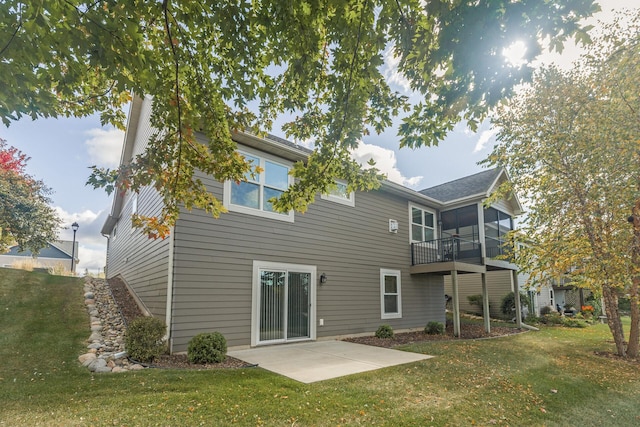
[216, 67]
[570, 144]
[26, 218]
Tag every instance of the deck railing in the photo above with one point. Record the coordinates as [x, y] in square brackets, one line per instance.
[446, 249]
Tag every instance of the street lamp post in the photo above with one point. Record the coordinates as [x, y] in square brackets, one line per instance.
[74, 227]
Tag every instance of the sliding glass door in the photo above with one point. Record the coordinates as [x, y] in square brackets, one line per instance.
[284, 305]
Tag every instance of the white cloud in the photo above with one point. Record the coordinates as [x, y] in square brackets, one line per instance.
[390, 70]
[485, 137]
[92, 246]
[386, 162]
[104, 146]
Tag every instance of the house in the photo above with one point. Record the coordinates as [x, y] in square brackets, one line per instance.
[352, 262]
[463, 216]
[54, 255]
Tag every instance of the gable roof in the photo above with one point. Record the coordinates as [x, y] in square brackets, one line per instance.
[269, 143]
[58, 249]
[472, 187]
[477, 185]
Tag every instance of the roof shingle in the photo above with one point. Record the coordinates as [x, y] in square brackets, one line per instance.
[472, 185]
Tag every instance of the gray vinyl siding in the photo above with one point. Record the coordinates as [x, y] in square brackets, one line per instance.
[498, 285]
[213, 261]
[138, 260]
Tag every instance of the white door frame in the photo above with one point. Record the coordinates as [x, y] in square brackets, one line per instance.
[255, 297]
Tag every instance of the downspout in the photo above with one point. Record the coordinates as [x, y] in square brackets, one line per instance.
[169, 307]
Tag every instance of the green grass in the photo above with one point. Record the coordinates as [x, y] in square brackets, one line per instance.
[506, 381]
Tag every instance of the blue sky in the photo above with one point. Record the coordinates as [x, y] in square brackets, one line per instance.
[62, 150]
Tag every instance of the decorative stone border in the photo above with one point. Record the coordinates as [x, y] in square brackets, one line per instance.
[106, 352]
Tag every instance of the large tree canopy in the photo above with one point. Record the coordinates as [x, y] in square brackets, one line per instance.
[570, 143]
[219, 66]
[26, 218]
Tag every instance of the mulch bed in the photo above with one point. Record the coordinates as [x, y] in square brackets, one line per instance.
[130, 310]
[467, 331]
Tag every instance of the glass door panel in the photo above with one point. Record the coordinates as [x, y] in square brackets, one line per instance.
[284, 306]
[298, 305]
[272, 305]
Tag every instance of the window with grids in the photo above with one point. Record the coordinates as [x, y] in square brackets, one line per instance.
[340, 194]
[253, 195]
[390, 294]
[422, 224]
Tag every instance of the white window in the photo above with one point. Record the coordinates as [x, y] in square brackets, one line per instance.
[339, 194]
[252, 195]
[422, 224]
[134, 208]
[390, 294]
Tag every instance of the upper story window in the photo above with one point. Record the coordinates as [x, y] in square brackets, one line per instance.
[134, 208]
[252, 195]
[340, 194]
[496, 225]
[422, 224]
[461, 222]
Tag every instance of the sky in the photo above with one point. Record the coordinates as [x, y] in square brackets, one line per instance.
[62, 151]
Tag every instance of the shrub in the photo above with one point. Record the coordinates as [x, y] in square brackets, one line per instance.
[384, 331]
[144, 339]
[546, 310]
[476, 300]
[434, 328]
[553, 318]
[508, 304]
[570, 322]
[532, 318]
[207, 348]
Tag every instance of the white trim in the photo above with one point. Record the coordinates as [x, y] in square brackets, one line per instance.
[255, 297]
[169, 307]
[348, 201]
[423, 208]
[226, 195]
[388, 272]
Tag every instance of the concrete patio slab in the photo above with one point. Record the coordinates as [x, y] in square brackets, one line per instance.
[322, 360]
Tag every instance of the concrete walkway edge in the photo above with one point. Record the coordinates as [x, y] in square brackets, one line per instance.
[321, 360]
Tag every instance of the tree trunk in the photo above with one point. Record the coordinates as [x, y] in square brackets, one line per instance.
[634, 333]
[613, 317]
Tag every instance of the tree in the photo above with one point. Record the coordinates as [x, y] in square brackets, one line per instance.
[570, 145]
[26, 218]
[217, 67]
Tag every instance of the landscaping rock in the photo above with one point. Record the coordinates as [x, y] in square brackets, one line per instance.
[87, 358]
[106, 349]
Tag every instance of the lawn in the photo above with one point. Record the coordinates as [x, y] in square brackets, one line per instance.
[551, 377]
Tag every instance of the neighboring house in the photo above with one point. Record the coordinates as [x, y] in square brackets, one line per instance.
[352, 262]
[54, 255]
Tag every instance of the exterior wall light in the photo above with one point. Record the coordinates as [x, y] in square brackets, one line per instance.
[323, 279]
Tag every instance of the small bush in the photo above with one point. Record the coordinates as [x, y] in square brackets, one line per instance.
[434, 328]
[546, 310]
[552, 318]
[476, 300]
[384, 331]
[532, 318]
[570, 322]
[207, 348]
[144, 339]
